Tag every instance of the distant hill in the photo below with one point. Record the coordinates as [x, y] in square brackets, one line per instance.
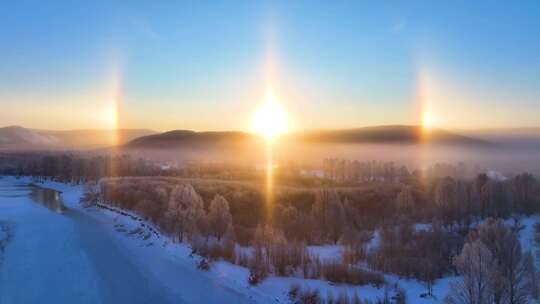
[187, 138]
[96, 138]
[511, 137]
[381, 134]
[16, 137]
[388, 134]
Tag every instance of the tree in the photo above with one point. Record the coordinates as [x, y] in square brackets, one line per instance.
[329, 214]
[336, 220]
[496, 199]
[297, 225]
[446, 200]
[91, 194]
[405, 200]
[474, 264]
[468, 201]
[219, 216]
[184, 211]
[509, 284]
[523, 187]
[532, 276]
[509, 276]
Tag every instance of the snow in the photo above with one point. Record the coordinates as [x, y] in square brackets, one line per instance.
[88, 254]
[326, 253]
[526, 235]
[496, 176]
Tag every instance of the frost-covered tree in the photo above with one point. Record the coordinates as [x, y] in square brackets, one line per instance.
[219, 216]
[509, 283]
[474, 264]
[184, 211]
[508, 279]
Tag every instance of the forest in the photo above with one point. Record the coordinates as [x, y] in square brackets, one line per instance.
[420, 226]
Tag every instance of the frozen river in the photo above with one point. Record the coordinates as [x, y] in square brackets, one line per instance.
[58, 253]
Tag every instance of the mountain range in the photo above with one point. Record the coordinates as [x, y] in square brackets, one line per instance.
[15, 137]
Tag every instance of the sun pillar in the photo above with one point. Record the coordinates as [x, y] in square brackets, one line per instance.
[269, 193]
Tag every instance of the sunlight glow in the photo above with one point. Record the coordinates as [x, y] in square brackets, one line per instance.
[427, 120]
[270, 121]
[110, 116]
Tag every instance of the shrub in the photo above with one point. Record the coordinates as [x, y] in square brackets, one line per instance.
[255, 276]
[203, 265]
[310, 297]
[294, 292]
[307, 296]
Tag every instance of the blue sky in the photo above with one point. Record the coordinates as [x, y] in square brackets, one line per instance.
[206, 65]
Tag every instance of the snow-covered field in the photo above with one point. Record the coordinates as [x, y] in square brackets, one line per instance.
[94, 255]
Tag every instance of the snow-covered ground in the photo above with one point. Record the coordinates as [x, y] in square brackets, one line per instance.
[78, 257]
[94, 255]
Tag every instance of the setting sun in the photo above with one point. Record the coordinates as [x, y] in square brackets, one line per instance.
[270, 120]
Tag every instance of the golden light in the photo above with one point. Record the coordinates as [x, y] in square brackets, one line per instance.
[270, 120]
[110, 116]
[427, 120]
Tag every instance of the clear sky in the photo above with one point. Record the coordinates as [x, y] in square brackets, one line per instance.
[206, 65]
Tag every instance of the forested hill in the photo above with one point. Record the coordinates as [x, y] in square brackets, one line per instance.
[380, 134]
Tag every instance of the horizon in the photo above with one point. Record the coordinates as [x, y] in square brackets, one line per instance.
[184, 66]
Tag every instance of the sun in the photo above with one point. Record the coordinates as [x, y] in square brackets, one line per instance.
[427, 120]
[110, 116]
[270, 120]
